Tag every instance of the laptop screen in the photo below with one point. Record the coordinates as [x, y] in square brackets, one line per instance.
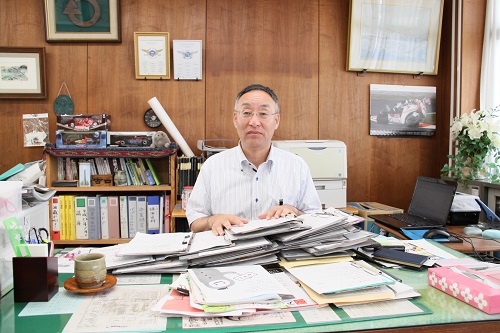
[432, 199]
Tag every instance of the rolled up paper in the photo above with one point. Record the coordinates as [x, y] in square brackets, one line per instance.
[170, 126]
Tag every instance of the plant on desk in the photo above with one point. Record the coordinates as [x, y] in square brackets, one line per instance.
[477, 139]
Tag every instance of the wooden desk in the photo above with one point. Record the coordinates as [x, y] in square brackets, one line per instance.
[480, 244]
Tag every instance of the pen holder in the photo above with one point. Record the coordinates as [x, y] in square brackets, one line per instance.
[36, 279]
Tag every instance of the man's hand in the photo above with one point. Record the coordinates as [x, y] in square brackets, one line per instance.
[280, 211]
[217, 223]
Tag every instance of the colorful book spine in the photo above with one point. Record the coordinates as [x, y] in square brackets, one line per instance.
[153, 214]
[113, 217]
[153, 171]
[55, 209]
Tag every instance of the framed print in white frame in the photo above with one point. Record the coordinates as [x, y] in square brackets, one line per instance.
[396, 36]
[152, 55]
[22, 72]
[82, 21]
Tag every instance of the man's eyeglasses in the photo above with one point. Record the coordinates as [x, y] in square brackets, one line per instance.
[263, 115]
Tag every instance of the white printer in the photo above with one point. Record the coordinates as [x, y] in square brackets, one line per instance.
[327, 160]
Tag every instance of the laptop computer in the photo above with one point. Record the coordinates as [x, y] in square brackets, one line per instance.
[429, 206]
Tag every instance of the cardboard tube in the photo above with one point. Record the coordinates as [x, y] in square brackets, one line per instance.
[169, 125]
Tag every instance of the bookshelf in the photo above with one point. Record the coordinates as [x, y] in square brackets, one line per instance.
[162, 159]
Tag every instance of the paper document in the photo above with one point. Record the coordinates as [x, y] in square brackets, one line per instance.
[120, 309]
[255, 225]
[150, 244]
[340, 277]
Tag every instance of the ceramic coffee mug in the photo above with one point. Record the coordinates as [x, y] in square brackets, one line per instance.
[90, 270]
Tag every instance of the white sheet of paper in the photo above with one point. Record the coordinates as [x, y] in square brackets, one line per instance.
[62, 302]
[148, 244]
[377, 309]
[119, 309]
[321, 315]
[139, 279]
[258, 319]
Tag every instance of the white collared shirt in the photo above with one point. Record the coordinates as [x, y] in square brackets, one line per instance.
[229, 184]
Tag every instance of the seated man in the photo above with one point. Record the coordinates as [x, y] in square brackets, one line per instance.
[254, 179]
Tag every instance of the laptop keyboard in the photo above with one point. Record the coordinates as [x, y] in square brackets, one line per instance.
[411, 220]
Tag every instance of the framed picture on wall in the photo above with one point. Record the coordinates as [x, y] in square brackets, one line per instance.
[402, 111]
[22, 72]
[82, 21]
[396, 36]
[152, 55]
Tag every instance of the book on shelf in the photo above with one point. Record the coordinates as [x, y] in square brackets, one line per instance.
[104, 217]
[153, 214]
[113, 217]
[55, 211]
[123, 209]
[142, 214]
[81, 217]
[152, 169]
[94, 217]
[132, 216]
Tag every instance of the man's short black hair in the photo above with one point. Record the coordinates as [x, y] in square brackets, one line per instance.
[260, 87]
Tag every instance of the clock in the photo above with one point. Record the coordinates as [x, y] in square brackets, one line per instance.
[151, 119]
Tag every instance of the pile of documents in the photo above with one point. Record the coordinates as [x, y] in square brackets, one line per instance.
[233, 291]
[259, 242]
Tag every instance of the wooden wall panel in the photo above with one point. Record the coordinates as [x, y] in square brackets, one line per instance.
[269, 42]
[472, 50]
[113, 88]
[297, 47]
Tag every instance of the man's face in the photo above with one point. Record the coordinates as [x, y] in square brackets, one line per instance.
[254, 131]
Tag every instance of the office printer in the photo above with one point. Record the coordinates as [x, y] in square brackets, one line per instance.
[464, 209]
[327, 160]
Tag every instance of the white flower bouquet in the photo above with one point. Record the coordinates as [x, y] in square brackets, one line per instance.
[477, 138]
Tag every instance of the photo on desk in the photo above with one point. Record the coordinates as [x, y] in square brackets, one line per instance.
[402, 111]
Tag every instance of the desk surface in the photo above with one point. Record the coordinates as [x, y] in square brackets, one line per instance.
[480, 244]
[449, 314]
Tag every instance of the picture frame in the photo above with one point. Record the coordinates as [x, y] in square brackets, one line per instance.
[82, 21]
[22, 72]
[402, 111]
[84, 174]
[394, 36]
[152, 55]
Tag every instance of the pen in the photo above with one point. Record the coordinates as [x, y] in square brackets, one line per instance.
[383, 271]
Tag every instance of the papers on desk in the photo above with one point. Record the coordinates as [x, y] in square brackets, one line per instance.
[151, 244]
[340, 277]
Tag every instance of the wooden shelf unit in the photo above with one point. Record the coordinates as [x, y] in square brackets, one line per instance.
[164, 162]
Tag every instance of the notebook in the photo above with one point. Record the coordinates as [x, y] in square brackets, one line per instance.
[429, 206]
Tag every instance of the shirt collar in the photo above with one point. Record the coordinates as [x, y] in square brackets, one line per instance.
[269, 161]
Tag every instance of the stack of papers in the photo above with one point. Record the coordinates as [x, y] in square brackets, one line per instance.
[234, 291]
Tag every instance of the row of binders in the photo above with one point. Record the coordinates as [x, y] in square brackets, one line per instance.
[107, 217]
[139, 171]
[187, 171]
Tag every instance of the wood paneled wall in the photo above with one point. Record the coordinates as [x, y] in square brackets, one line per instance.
[297, 47]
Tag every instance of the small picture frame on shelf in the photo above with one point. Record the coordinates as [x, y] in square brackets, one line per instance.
[84, 174]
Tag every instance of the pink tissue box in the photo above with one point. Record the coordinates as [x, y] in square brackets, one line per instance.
[468, 286]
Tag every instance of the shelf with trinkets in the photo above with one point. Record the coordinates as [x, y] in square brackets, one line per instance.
[162, 160]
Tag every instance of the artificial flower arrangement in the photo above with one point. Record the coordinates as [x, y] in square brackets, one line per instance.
[477, 146]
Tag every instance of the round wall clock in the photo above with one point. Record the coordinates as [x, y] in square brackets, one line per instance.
[64, 105]
[151, 119]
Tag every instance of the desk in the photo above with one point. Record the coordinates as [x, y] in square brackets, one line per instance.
[480, 244]
[450, 314]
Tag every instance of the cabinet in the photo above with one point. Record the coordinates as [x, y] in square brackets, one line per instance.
[162, 159]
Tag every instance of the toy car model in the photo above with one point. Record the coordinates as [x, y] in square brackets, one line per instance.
[133, 142]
